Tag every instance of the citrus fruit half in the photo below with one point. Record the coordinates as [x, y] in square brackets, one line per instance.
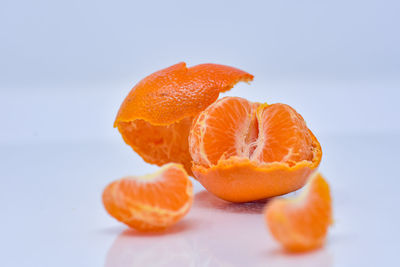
[301, 223]
[151, 202]
[244, 151]
[156, 116]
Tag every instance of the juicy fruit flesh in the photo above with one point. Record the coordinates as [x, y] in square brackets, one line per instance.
[220, 133]
[235, 127]
[302, 223]
[284, 135]
[151, 202]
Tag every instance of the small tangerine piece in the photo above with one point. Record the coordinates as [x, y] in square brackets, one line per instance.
[151, 202]
[301, 223]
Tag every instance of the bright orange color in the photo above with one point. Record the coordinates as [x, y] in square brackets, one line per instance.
[156, 116]
[302, 223]
[244, 151]
[151, 202]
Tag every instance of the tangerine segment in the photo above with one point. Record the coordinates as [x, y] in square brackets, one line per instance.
[227, 128]
[241, 179]
[283, 135]
[151, 202]
[156, 116]
[301, 223]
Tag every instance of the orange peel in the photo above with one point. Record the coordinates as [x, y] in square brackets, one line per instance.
[156, 116]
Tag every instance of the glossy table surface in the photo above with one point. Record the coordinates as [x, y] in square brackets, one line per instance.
[52, 213]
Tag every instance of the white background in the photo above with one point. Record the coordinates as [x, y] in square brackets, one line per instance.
[65, 67]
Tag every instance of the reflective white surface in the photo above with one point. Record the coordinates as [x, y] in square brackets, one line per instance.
[52, 213]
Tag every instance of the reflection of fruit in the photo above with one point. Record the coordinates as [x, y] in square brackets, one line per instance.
[132, 249]
[302, 223]
[151, 202]
[245, 151]
[156, 116]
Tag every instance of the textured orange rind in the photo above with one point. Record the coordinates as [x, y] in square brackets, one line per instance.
[156, 116]
[169, 95]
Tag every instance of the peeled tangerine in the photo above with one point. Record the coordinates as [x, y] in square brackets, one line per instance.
[244, 151]
[151, 202]
[156, 116]
[301, 223]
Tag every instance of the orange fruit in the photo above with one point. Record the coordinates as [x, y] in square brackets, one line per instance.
[244, 151]
[151, 202]
[156, 116]
[301, 223]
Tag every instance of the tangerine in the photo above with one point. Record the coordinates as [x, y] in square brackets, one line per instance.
[244, 151]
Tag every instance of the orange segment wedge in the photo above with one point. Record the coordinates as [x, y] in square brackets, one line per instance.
[301, 223]
[156, 116]
[151, 202]
[244, 151]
